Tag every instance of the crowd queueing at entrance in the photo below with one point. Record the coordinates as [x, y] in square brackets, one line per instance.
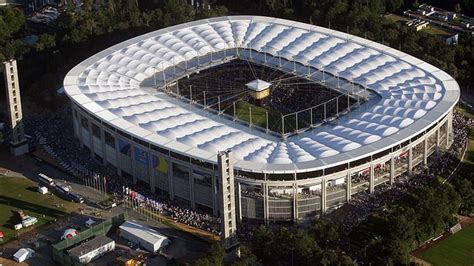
[55, 133]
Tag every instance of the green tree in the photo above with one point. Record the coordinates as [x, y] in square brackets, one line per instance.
[262, 244]
[247, 258]
[216, 253]
[324, 232]
[393, 5]
[45, 41]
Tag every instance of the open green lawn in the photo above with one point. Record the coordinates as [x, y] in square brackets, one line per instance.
[242, 109]
[436, 31]
[457, 249]
[21, 194]
[397, 18]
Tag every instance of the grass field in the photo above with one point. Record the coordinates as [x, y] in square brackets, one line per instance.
[436, 31]
[242, 109]
[396, 18]
[455, 250]
[21, 194]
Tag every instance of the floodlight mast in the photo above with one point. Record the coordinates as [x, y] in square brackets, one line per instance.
[250, 116]
[266, 118]
[294, 63]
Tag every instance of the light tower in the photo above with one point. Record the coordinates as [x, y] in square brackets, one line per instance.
[226, 195]
[18, 143]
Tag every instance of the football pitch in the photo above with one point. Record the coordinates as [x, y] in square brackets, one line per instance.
[457, 249]
[21, 194]
[257, 116]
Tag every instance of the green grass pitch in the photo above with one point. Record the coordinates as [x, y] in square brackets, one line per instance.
[457, 249]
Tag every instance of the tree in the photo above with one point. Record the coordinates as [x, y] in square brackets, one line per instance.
[457, 8]
[247, 258]
[262, 243]
[393, 5]
[466, 191]
[216, 253]
[45, 41]
[324, 233]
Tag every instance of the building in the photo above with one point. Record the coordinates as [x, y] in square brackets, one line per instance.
[93, 249]
[445, 20]
[172, 144]
[227, 199]
[453, 39]
[144, 236]
[18, 143]
[417, 24]
[23, 254]
[31, 5]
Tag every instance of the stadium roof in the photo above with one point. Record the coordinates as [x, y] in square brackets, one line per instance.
[114, 86]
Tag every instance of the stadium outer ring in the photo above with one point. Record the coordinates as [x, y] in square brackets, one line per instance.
[264, 204]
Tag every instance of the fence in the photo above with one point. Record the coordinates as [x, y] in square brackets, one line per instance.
[60, 255]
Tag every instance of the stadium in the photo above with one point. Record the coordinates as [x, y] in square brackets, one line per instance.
[312, 115]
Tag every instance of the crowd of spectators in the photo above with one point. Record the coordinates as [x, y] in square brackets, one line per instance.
[144, 198]
[54, 132]
[363, 203]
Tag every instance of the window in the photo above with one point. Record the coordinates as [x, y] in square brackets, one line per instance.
[180, 171]
[84, 122]
[96, 131]
[159, 149]
[141, 142]
[202, 178]
[109, 139]
[124, 134]
[179, 156]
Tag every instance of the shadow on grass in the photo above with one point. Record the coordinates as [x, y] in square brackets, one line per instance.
[27, 206]
[470, 156]
[32, 189]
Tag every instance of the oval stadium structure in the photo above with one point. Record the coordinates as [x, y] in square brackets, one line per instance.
[385, 112]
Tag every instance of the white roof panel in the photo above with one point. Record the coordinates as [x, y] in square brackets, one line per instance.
[412, 94]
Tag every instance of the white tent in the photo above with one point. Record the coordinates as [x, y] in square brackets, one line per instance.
[43, 190]
[143, 235]
[89, 223]
[23, 254]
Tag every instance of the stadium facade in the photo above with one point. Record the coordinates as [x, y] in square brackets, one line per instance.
[124, 119]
